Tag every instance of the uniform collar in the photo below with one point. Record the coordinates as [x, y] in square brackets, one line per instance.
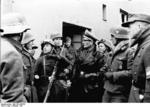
[143, 36]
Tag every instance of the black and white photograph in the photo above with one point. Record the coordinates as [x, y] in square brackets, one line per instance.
[74, 51]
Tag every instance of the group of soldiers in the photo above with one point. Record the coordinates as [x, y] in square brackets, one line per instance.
[97, 72]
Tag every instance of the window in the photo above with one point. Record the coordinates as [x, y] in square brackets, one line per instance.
[104, 9]
[124, 15]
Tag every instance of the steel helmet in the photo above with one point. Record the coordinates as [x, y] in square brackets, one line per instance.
[47, 41]
[27, 37]
[13, 23]
[106, 43]
[56, 35]
[119, 32]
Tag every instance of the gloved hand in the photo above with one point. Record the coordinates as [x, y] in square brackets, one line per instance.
[82, 74]
[108, 75]
[66, 71]
[68, 83]
[36, 77]
[141, 97]
[50, 78]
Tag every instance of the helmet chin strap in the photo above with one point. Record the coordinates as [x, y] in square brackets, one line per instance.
[20, 37]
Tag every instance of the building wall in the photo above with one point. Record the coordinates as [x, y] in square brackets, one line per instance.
[46, 16]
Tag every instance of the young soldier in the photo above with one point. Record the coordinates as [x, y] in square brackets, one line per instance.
[27, 43]
[118, 77]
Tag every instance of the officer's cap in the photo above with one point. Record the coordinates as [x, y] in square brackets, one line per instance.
[119, 32]
[136, 17]
[89, 35]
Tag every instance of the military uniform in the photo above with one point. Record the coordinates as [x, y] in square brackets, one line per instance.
[43, 69]
[118, 77]
[106, 54]
[12, 75]
[30, 91]
[11, 79]
[140, 69]
[60, 87]
[28, 73]
[89, 62]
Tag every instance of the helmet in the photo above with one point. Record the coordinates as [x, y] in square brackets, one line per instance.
[119, 32]
[106, 43]
[47, 41]
[56, 35]
[27, 37]
[13, 23]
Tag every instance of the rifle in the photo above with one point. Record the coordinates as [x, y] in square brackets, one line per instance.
[50, 83]
[52, 79]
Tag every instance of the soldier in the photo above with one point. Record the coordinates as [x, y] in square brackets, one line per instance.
[27, 43]
[118, 77]
[11, 74]
[139, 25]
[61, 85]
[70, 54]
[46, 47]
[89, 62]
[104, 47]
[33, 50]
[44, 68]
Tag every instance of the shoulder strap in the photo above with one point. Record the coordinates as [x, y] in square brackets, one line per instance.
[44, 65]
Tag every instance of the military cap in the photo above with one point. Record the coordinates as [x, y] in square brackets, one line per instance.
[136, 17]
[27, 37]
[119, 32]
[90, 35]
[56, 35]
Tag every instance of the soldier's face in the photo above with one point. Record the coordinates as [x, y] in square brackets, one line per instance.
[101, 47]
[47, 48]
[58, 42]
[68, 43]
[113, 40]
[134, 29]
[29, 45]
[87, 43]
[32, 52]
